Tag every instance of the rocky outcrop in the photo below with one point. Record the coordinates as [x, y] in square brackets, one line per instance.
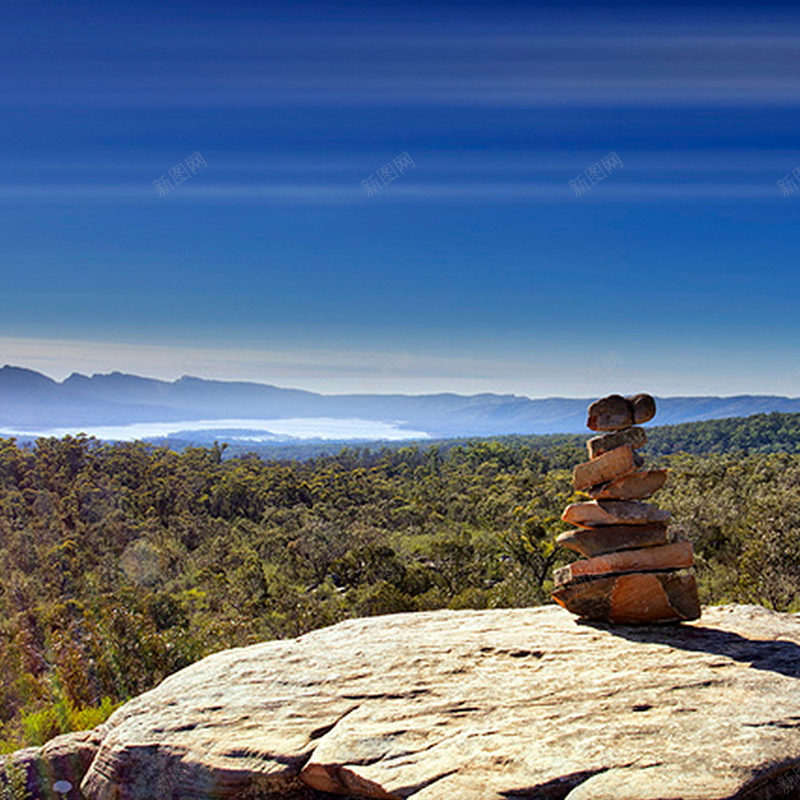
[56, 769]
[463, 705]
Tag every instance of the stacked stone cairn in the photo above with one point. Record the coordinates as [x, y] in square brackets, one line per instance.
[631, 570]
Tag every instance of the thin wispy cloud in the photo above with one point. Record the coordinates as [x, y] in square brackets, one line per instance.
[596, 63]
[346, 194]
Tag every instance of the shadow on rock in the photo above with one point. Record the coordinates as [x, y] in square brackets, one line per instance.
[777, 656]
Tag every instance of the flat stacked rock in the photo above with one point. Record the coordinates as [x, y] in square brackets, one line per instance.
[631, 570]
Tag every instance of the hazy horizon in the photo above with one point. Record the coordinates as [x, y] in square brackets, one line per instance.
[390, 386]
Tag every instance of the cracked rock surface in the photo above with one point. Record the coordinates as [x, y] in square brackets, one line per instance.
[468, 705]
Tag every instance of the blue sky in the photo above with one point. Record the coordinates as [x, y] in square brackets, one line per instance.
[477, 269]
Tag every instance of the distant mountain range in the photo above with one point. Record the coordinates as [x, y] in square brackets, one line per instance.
[30, 401]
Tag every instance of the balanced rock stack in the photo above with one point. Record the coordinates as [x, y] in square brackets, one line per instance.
[630, 571]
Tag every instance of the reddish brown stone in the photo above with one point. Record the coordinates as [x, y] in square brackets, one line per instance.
[612, 512]
[611, 538]
[612, 413]
[633, 486]
[597, 445]
[608, 467]
[669, 556]
[644, 407]
[633, 598]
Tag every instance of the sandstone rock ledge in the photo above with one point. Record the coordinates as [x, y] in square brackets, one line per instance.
[463, 705]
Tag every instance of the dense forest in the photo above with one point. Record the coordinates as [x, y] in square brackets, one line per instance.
[124, 563]
[760, 433]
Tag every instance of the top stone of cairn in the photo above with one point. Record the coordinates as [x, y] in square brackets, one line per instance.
[615, 412]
